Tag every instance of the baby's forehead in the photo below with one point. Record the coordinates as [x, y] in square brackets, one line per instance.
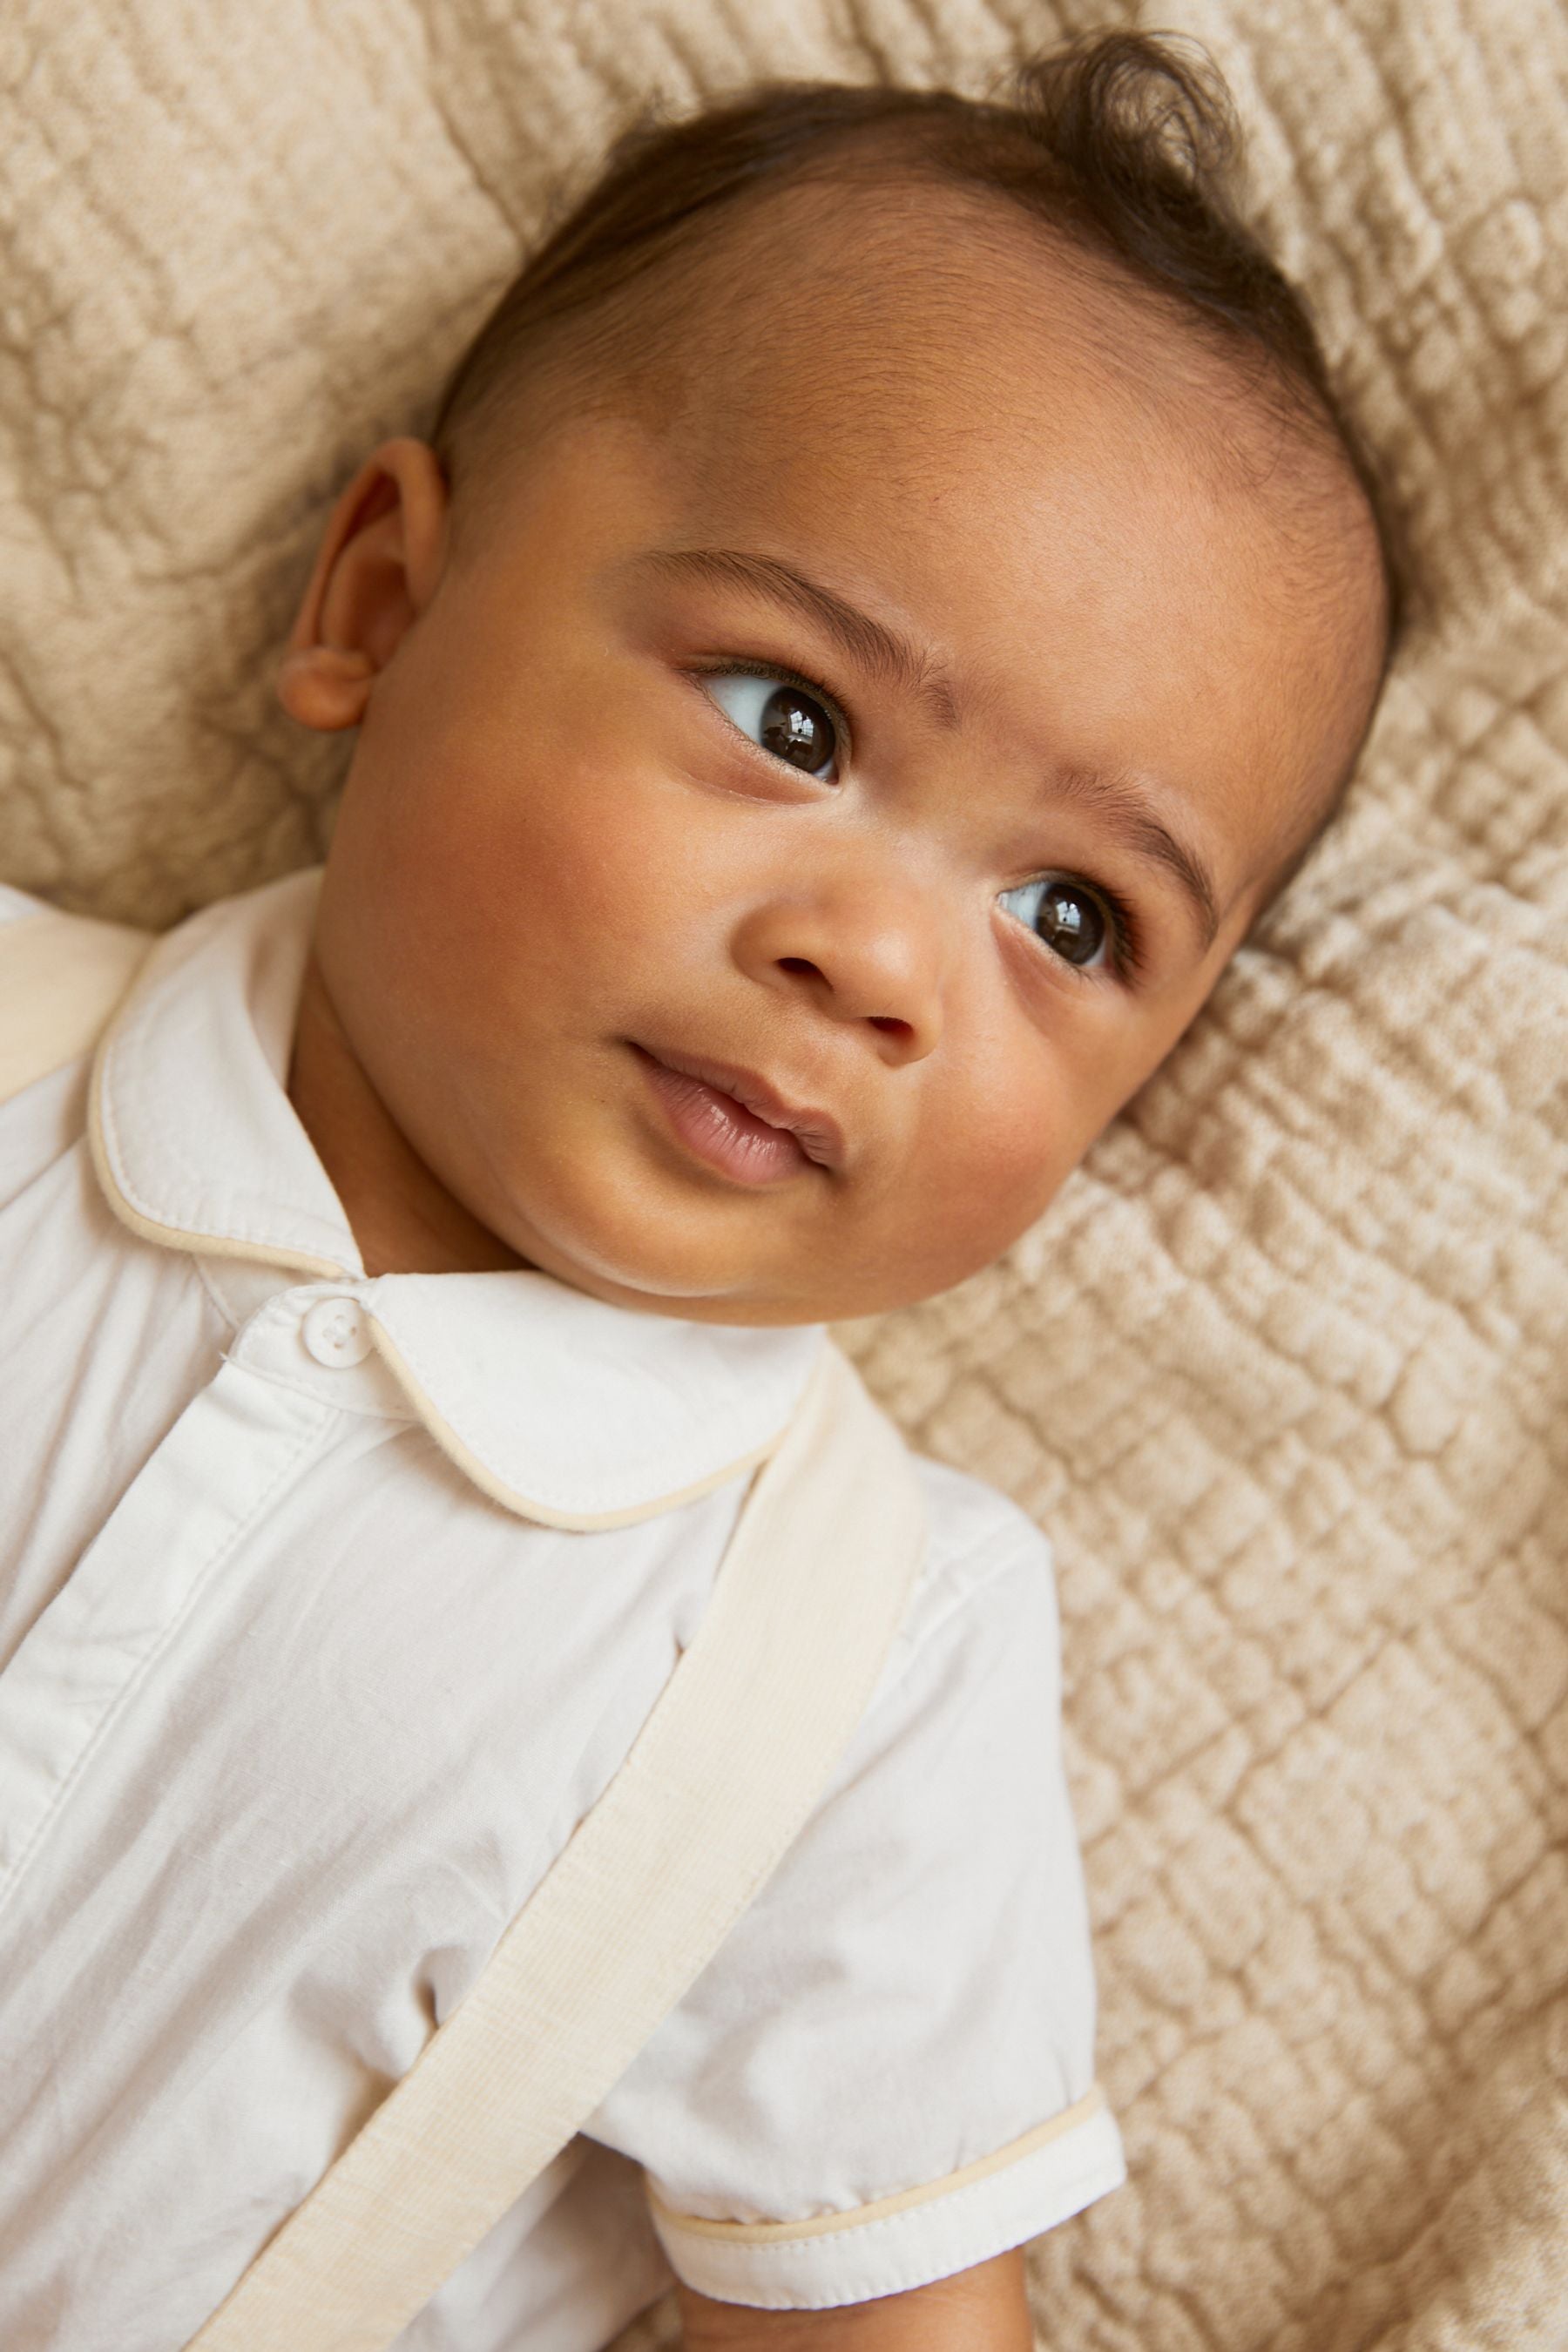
[907, 323]
[848, 305]
[933, 352]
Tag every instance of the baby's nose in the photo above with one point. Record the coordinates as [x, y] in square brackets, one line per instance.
[859, 954]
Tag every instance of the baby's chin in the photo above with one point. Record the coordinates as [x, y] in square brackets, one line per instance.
[643, 1272]
[623, 1246]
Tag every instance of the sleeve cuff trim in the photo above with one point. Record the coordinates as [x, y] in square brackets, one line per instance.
[772, 2233]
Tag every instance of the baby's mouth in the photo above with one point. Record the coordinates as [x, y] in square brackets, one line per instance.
[734, 1120]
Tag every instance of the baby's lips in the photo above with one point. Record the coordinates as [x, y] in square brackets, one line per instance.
[816, 1132]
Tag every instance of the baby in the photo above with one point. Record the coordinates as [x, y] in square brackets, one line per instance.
[889, 600]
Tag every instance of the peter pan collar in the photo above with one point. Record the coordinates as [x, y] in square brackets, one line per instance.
[563, 1407]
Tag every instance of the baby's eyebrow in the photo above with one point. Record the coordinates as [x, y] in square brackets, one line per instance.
[879, 650]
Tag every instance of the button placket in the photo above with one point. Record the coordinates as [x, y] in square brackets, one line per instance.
[231, 1453]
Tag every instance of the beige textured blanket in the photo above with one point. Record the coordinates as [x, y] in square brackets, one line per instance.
[1283, 1370]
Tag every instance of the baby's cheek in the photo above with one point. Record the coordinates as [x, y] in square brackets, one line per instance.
[981, 1183]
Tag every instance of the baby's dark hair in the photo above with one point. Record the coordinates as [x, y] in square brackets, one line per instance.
[1122, 145]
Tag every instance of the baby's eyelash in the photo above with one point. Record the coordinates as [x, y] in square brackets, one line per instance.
[1125, 929]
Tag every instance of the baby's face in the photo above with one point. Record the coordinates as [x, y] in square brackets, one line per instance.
[787, 831]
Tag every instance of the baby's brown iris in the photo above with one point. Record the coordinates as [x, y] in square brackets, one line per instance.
[1070, 922]
[795, 728]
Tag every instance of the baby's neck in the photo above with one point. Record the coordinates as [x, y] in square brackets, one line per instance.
[403, 1218]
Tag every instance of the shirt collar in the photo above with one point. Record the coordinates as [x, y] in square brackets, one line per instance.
[563, 1407]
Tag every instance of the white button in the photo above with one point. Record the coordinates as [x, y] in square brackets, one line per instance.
[335, 1332]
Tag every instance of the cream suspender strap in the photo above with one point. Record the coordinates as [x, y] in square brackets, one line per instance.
[738, 1748]
[61, 978]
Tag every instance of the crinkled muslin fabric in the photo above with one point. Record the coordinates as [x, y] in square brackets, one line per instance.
[1283, 1368]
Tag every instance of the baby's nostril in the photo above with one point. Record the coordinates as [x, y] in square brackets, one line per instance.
[891, 1021]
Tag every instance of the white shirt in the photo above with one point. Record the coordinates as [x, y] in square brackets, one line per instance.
[312, 1658]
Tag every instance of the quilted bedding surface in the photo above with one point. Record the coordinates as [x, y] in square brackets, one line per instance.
[1283, 1370]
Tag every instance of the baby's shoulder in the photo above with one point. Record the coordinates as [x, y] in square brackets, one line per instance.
[988, 1577]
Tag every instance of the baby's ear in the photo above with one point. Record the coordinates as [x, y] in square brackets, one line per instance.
[380, 558]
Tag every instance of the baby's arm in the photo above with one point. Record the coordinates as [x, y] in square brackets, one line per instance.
[978, 2310]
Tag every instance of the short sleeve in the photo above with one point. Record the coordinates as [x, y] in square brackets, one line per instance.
[886, 2075]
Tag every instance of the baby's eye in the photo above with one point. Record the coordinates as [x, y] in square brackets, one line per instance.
[1067, 914]
[782, 718]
